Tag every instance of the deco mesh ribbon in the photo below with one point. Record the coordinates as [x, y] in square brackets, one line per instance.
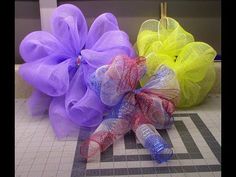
[166, 42]
[151, 140]
[58, 65]
[88, 79]
[116, 85]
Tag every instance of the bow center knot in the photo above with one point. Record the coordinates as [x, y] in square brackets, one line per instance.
[80, 60]
[137, 91]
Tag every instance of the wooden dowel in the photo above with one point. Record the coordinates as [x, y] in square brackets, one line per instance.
[165, 9]
[162, 10]
[164, 13]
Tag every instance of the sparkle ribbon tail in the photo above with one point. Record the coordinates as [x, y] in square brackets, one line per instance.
[148, 136]
[107, 132]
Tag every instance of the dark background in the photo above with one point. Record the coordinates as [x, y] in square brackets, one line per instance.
[202, 18]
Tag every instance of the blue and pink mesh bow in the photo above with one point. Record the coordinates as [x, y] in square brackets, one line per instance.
[58, 65]
[116, 85]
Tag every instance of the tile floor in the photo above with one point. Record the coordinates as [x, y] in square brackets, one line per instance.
[195, 137]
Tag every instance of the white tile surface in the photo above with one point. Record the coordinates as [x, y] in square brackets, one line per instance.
[39, 153]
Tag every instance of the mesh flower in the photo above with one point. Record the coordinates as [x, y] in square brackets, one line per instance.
[58, 65]
[166, 42]
[130, 107]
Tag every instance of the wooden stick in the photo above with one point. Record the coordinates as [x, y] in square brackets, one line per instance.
[162, 9]
[165, 9]
[164, 13]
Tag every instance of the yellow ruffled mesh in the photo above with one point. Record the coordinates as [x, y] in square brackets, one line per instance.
[166, 42]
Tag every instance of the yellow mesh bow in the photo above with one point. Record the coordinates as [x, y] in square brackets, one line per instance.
[166, 42]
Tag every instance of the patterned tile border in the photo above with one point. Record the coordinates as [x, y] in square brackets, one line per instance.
[79, 165]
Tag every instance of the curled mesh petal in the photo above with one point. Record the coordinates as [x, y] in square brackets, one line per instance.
[102, 24]
[151, 140]
[166, 42]
[164, 36]
[122, 76]
[109, 45]
[138, 119]
[173, 36]
[70, 27]
[163, 83]
[146, 36]
[155, 109]
[41, 44]
[83, 106]
[196, 73]
[107, 132]
[47, 75]
[99, 58]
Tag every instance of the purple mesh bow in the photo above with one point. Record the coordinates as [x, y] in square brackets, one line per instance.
[58, 65]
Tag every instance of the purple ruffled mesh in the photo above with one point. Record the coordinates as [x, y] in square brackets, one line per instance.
[83, 106]
[58, 65]
[39, 103]
[62, 125]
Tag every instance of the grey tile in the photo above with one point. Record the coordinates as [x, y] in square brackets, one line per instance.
[202, 168]
[211, 139]
[183, 156]
[93, 172]
[212, 143]
[187, 139]
[189, 168]
[107, 155]
[106, 172]
[176, 169]
[130, 140]
[148, 170]
[195, 116]
[217, 150]
[108, 151]
[145, 157]
[130, 143]
[218, 156]
[132, 157]
[77, 173]
[205, 131]
[107, 158]
[207, 135]
[120, 171]
[215, 167]
[119, 158]
[196, 156]
[134, 171]
[79, 164]
[165, 136]
[162, 170]
[181, 114]
[139, 146]
[174, 157]
[193, 150]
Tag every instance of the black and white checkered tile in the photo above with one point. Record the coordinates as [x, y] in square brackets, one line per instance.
[195, 150]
